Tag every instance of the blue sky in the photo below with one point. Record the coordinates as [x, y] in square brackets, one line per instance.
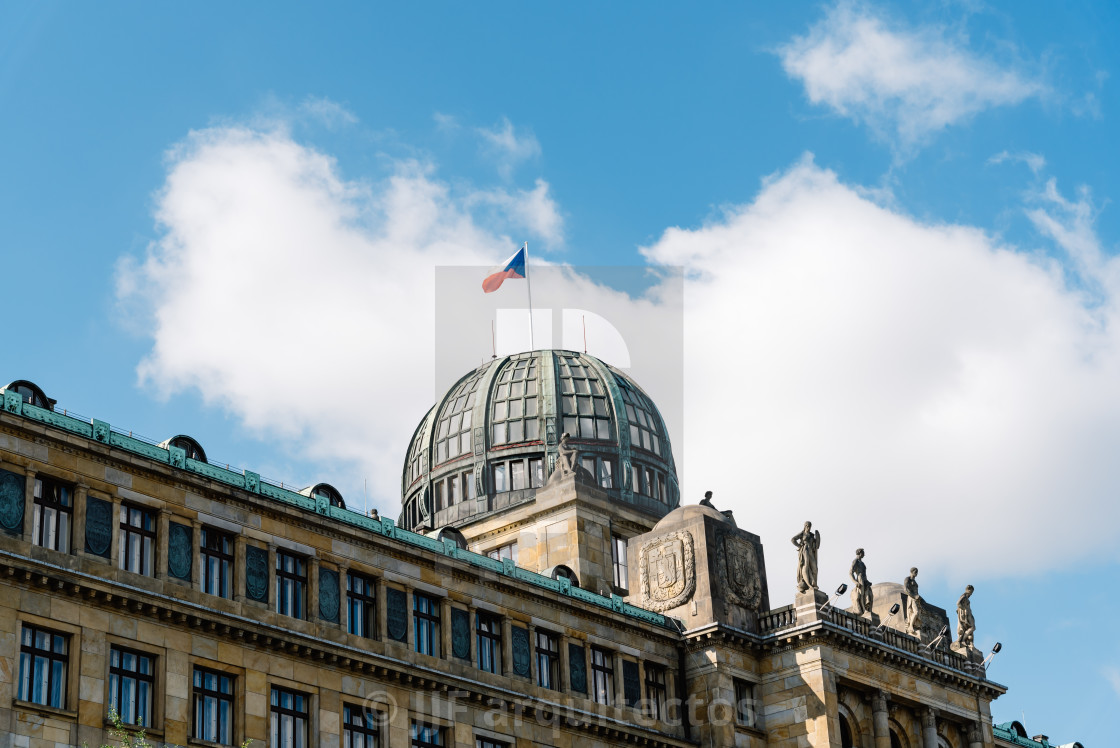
[897, 221]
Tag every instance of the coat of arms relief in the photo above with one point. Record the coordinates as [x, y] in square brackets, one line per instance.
[668, 571]
[739, 573]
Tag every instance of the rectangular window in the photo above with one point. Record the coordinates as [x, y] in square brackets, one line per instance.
[500, 478]
[291, 581]
[361, 727]
[53, 504]
[217, 560]
[548, 660]
[489, 643]
[517, 475]
[489, 743]
[455, 490]
[655, 691]
[437, 489]
[363, 604]
[131, 682]
[621, 571]
[744, 703]
[602, 676]
[212, 706]
[289, 718]
[509, 550]
[425, 624]
[468, 484]
[536, 472]
[138, 539]
[426, 736]
[43, 662]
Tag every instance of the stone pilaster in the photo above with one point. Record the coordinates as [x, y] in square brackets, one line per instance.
[29, 508]
[881, 719]
[163, 523]
[238, 568]
[78, 524]
[507, 646]
[565, 665]
[445, 628]
[929, 727]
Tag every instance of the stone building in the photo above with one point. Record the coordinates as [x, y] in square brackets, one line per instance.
[542, 587]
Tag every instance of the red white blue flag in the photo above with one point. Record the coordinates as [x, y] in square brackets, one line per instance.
[514, 267]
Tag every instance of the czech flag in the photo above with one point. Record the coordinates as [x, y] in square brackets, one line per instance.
[514, 267]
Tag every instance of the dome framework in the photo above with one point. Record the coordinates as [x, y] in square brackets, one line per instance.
[491, 441]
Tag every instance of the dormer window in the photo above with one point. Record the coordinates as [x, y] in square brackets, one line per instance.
[193, 449]
[31, 394]
[326, 490]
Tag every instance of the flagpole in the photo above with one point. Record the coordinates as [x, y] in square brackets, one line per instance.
[529, 287]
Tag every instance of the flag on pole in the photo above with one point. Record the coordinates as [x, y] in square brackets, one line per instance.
[514, 267]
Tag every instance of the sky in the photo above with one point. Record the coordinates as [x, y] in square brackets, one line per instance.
[895, 224]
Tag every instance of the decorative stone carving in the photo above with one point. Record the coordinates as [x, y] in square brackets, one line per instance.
[807, 543]
[256, 573]
[178, 457]
[862, 596]
[101, 431]
[913, 604]
[966, 623]
[252, 482]
[322, 504]
[667, 571]
[520, 640]
[460, 633]
[631, 684]
[577, 667]
[179, 550]
[739, 572]
[328, 595]
[396, 613]
[13, 401]
[99, 526]
[12, 488]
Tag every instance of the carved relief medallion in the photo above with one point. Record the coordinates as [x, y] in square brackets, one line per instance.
[739, 572]
[668, 571]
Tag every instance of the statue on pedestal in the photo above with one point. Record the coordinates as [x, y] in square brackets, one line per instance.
[862, 596]
[807, 543]
[913, 604]
[568, 458]
[966, 624]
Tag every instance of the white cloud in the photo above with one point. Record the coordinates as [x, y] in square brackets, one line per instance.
[1112, 675]
[906, 84]
[533, 210]
[507, 146]
[915, 389]
[329, 112]
[279, 290]
[1036, 162]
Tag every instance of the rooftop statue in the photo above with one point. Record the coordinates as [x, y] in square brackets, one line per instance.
[568, 458]
[707, 500]
[807, 543]
[966, 624]
[862, 596]
[913, 604]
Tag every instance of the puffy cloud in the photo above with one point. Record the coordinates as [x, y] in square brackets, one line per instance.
[906, 84]
[279, 290]
[507, 146]
[916, 389]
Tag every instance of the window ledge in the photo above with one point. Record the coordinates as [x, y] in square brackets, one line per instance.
[756, 731]
[50, 711]
[207, 743]
[149, 731]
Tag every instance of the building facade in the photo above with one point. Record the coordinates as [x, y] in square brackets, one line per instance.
[574, 604]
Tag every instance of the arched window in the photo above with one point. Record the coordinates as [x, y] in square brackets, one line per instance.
[31, 394]
[326, 489]
[895, 742]
[845, 733]
[193, 449]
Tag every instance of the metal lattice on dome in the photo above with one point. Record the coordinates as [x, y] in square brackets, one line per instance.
[491, 441]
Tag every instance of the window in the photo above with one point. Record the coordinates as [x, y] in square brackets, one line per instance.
[212, 706]
[291, 580]
[425, 622]
[489, 629]
[53, 504]
[426, 736]
[453, 490]
[646, 427]
[289, 718]
[655, 691]
[361, 598]
[618, 553]
[650, 482]
[43, 661]
[361, 727]
[499, 470]
[514, 405]
[509, 550]
[514, 475]
[489, 743]
[602, 676]
[744, 703]
[131, 682]
[453, 428]
[583, 400]
[217, 558]
[138, 534]
[601, 468]
[548, 661]
[417, 454]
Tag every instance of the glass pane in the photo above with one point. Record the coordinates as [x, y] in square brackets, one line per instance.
[500, 433]
[516, 431]
[515, 409]
[532, 429]
[587, 428]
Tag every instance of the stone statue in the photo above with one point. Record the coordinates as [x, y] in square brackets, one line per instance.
[568, 458]
[707, 500]
[861, 592]
[913, 604]
[807, 543]
[966, 624]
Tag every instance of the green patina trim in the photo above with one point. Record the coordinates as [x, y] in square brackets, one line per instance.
[622, 423]
[383, 526]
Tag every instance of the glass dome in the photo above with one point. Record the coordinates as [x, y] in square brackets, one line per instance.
[491, 441]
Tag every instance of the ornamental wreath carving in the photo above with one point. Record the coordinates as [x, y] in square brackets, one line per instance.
[668, 571]
[739, 573]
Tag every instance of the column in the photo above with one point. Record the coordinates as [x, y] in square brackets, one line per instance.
[929, 727]
[472, 627]
[507, 646]
[78, 526]
[445, 628]
[238, 568]
[115, 529]
[313, 567]
[29, 508]
[565, 666]
[410, 633]
[196, 561]
[881, 719]
[163, 523]
[382, 615]
[975, 735]
[619, 684]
